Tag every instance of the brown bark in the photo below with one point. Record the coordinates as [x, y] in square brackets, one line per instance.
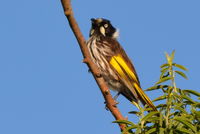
[110, 102]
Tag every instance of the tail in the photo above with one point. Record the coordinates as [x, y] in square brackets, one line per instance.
[144, 98]
[141, 96]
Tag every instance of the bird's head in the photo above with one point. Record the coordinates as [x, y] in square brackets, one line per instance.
[103, 27]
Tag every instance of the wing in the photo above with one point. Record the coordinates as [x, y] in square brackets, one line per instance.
[127, 74]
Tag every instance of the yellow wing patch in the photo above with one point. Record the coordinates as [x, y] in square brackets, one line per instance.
[120, 66]
[126, 74]
[117, 62]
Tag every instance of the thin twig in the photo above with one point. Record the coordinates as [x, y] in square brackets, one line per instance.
[110, 102]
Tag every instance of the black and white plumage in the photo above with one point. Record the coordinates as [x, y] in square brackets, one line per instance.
[113, 63]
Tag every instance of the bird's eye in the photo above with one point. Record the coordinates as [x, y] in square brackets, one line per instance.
[106, 25]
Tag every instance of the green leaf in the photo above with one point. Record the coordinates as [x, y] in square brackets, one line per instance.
[176, 96]
[149, 115]
[172, 55]
[129, 128]
[138, 131]
[135, 112]
[197, 113]
[180, 109]
[192, 92]
[173, 114]
[150, 131]
[157, 87]
[185, 122]
[188, 102]
[181, 74]
[164, 74]
[152, 88]
[163, 80]
[164, 65]
[180, 66]
[183, 130]
[148, 108]
[188, 99]
[161, 119]
[183, 93]
[168, 58]
[124, 122]
[161, 106]
[197, 105]
[161, 130]
[153, 119]
[180, 91]
[164, 69]
[160, 98]
[169, 90]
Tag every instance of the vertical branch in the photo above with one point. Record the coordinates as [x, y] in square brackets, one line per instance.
[110, 103]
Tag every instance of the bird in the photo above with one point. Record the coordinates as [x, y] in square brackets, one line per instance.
[113, 63]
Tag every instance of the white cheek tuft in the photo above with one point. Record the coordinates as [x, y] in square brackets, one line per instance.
[116, 34]
[91, 31]
[102, 30]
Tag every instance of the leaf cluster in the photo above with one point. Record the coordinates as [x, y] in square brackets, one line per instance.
[178, 109]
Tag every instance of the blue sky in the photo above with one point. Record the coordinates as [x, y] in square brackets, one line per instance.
[44, 86]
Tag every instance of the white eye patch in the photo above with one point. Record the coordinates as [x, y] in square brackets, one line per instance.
[106, 25]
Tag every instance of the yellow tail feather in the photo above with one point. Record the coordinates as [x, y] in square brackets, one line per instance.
[130, 79]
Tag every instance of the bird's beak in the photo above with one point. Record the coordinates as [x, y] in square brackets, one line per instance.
[93, 20]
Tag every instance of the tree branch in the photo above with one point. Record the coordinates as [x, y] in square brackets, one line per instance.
[110, 102]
